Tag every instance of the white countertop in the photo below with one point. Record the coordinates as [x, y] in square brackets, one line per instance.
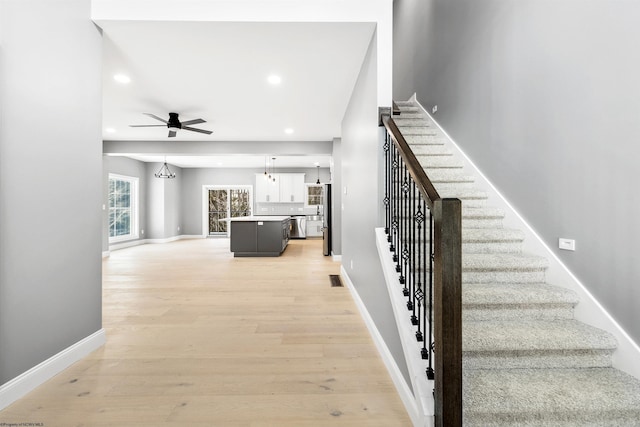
[260, 218]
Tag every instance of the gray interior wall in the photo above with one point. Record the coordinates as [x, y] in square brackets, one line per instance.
[360, 146]
[127, 167]
[195, 178]
[336, 196]
[172, 203]
[544, 97]
[50, 180]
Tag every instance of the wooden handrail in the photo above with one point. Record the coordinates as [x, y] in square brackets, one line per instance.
[416, 170]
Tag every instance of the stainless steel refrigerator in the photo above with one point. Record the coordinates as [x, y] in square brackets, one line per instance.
[326, 222]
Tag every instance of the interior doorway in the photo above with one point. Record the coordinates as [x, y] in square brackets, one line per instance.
[223, 202]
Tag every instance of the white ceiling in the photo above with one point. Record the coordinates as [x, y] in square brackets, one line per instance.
[218, 71]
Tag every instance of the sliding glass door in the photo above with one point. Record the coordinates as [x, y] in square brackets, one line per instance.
[225, 203]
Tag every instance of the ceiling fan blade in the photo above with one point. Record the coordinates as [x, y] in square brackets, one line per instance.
[193, 122]
[155, 117]
[208, 132]
[148, 126]
[172, 133]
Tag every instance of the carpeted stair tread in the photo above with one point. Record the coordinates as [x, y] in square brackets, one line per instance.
[528, 335]
[550, 397]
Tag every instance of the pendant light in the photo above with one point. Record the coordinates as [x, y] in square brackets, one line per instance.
[274, 168]
[318, 180]
[265, 167]
[164, 171]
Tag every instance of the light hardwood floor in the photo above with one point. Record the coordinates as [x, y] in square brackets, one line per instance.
[196, 337]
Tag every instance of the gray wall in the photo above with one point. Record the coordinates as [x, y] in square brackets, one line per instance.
[336, 197]
[360, 147]
[50, 180]
[544, 98]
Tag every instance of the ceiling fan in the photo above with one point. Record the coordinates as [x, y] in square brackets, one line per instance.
[174, 124]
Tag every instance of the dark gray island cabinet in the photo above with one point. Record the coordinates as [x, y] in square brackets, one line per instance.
[259, 235]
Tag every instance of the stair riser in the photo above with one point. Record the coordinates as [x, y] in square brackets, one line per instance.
[431, 150]
[489, 247]
[418, 131]
[630, 419]
[428, 139]
[532, 312]
[439, 162]
[503, 277]
[482, 223]
[410, 122]
[538, 359]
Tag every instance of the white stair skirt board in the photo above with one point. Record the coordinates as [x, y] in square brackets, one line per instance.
[418, 419]
[589, 310]
[29, 380]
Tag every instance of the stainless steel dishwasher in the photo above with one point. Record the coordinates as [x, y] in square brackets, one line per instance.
[298, 227]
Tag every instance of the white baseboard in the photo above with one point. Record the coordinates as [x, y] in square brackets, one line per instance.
[29, 380]
[106, 254]
[588, 310]
[396, 375]
[138, 242]
[337, 258]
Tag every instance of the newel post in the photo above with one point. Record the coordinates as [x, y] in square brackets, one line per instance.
[447, 304]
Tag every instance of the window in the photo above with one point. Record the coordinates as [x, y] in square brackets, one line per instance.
[314, 195]
[123, 207]
[226, 202]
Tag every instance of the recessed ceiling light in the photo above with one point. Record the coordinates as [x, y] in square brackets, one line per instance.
[110, 130]
[316, 163]
[274, 80]
[288, 131]
[122, 78]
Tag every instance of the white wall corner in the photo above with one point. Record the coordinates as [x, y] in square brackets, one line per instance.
[588, 310]
[396, 375]
[39, 374]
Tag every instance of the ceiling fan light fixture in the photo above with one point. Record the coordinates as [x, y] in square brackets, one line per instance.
[318, 180]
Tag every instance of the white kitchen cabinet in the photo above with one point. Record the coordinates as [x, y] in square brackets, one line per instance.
[291, 187]
[267, 191]
[314, 228]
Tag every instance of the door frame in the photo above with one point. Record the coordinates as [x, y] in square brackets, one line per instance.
[205, 202]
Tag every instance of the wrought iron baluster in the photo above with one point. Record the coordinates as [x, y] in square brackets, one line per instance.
[387, 212]
[429, 342]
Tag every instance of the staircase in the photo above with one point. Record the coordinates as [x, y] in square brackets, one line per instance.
[526, 360]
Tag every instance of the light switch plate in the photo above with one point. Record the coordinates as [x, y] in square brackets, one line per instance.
[567, 244]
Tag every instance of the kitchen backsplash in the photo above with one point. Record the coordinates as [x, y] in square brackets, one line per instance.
[284, 209]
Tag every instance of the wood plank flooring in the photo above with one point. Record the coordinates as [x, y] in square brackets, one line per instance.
[196, 337]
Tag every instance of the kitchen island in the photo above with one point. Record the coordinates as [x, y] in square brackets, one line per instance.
[258, 236]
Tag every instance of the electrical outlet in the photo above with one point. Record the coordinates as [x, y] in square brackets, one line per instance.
[178, 228]
[351, 264]
[141, 231]
[104, 207]
[567, 244]
[434, 109]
